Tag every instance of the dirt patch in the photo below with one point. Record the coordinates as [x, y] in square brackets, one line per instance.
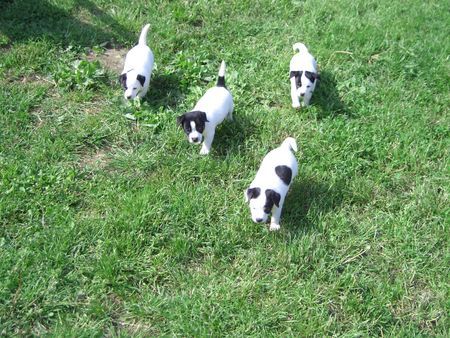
[111, 59]
[98, 160]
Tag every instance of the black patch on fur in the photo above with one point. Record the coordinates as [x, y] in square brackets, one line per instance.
[197, 116]
[311, 76]
[141, 79]
[272, 197]
[298, 77]
[253, 193]
[284, 173]
[221, 81]
[123, 80]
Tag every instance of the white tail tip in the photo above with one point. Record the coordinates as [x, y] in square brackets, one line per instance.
[290, 143]
[222, 69]
[300, 47]
[143, 36]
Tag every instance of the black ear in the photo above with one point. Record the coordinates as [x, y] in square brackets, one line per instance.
[123, 80]
[253, 193]
[141, 79]
[311, 76]
[203, 117]
[180, 120]
[273, 196]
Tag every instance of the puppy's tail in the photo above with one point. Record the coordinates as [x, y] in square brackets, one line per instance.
[300, 47]
[221, 78]
[143, 36]
[290, 144]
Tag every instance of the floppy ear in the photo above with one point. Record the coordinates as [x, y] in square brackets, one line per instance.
[123, 80]
[273, 196]
[203, 117]
[252, 193]
[311, 76]
[180, 120]
[141, 79]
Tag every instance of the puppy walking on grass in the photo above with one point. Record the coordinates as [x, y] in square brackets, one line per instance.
[135, 77]
[268, 190]
[303, 75]
[208, 113]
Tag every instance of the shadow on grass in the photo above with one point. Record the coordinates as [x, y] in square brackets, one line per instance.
[164, 91]
[25, 20]
[326, 97]
[309, 195]
[230, 135]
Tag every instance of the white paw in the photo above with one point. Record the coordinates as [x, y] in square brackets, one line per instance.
[296, 105]
[274, 227]
[204, 151]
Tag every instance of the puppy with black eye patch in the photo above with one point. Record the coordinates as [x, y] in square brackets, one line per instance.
[135, 77]
[303, 75]
[212, 108]
[268, 190]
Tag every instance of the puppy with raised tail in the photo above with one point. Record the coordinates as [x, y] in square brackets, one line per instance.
[303, 75]
[135, 77]
[208, 113]
[268, 190]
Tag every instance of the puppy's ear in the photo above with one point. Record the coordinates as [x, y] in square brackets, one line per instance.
[252, 193]
[123, 80]
[273, 196]
[180, 120]
[311, 76]
[141, 79]
[203, 117]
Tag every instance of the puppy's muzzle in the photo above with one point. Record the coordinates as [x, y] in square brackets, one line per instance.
[258, 220]
[195, 139]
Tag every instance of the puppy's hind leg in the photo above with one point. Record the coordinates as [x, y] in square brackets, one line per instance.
[206, 146]
[230, 115]
[294, 96]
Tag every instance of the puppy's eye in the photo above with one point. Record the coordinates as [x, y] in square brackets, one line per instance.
[308, 86]
[134, 88]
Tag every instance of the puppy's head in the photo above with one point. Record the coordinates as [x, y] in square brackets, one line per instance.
[193, 124]
[306, 82]
[132, 82]
[261, 203]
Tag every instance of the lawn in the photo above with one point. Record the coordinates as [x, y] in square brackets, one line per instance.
[112, 224]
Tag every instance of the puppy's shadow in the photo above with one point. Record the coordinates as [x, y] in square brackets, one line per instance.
[230, 135]
[326, 97]
[307, 199]
[164, 91]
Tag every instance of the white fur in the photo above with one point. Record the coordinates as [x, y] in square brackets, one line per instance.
[139, 60]
[266, 178]
[217, 103]
[302, 61]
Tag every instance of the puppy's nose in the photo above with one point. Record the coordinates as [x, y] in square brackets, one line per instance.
[195, 139]
[128, 97]
[302, 94]
[259, 220]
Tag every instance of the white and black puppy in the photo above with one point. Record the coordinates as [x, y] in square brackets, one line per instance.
[135, 77]
[268, 190]
[303, 75]
[210, 111]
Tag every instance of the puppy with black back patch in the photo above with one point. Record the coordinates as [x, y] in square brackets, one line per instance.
[135, 77]
[268, 190]
[303, 75]
[212, 108]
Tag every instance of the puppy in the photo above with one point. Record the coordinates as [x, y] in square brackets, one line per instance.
[268, 190]
[135, 77]
[303, 75]
[210, 111]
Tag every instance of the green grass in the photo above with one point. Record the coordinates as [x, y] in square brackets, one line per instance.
[120, 228]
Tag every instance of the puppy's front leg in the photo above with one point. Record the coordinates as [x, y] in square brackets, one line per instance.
[294, 96]
[275, 219]
[307, 99]
[206, 147]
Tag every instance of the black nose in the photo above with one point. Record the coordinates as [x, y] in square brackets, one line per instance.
[259, 220]
[129, 97]
[195, 139]
[302, 94]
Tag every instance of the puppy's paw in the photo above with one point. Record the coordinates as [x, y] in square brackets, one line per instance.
[204, 151]
[274, 227]
[296, 105]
